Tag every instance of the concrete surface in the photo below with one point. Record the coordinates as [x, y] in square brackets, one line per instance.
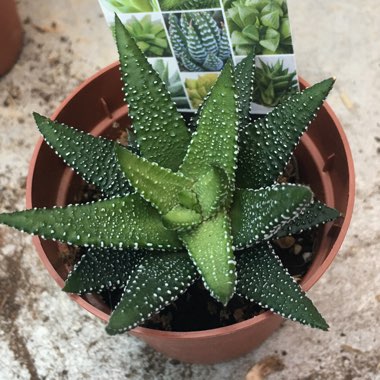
[44, 335]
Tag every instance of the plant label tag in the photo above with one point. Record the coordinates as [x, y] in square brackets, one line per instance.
[189, 41]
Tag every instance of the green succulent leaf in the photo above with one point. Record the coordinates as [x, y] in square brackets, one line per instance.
[198, 89]
[244, 80]
[215, 141]
[157, 281]
[161, 133]
[181, 219]
[125, 222]
[312, 216]
[157, 185]
[258, 215]
[210, 247]
[263, 279]
[212, 191]
[100, 269]
[213, 63]
[93, 158]
[267, 135]
[189, 63]
[273, 7]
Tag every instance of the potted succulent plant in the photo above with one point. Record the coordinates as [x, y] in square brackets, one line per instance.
[181, 206]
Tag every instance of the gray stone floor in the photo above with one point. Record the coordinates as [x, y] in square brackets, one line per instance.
[44, 335]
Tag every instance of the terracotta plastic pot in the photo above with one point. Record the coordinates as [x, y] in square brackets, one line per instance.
[10, 35]
[96, 106]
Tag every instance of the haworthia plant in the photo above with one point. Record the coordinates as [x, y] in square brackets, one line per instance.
[199, 41]
[202, 206]
[131, 6]
[259, 25]
[273, 83]
[175, 5]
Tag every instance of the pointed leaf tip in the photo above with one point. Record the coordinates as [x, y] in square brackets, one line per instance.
[158, 280]
[217, 128]
[100, 269]
[278, 132]
[244, 82]
[210, 247]
[272, 287]
[160, 130]
[93, 158]
[312, 216]
[259, 214]
[124, 222]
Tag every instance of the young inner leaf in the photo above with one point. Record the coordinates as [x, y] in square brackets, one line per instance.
[155, 184]
[210, 247]
[215, 141]
[181, 219]
[212, 191]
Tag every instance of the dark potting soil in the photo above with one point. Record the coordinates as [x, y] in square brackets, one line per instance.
[196, 310]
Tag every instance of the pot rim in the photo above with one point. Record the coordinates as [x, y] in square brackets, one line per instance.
[203, 334]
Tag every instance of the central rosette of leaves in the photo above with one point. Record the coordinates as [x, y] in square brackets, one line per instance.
[194, 202]
[181, 205]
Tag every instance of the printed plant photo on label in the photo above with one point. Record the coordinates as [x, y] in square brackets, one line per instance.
[199, 39]
[260, 25]
[198, 86]
[149, 34]
[131, 6]
[274, 81]
[181, 5]
[168, 72]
